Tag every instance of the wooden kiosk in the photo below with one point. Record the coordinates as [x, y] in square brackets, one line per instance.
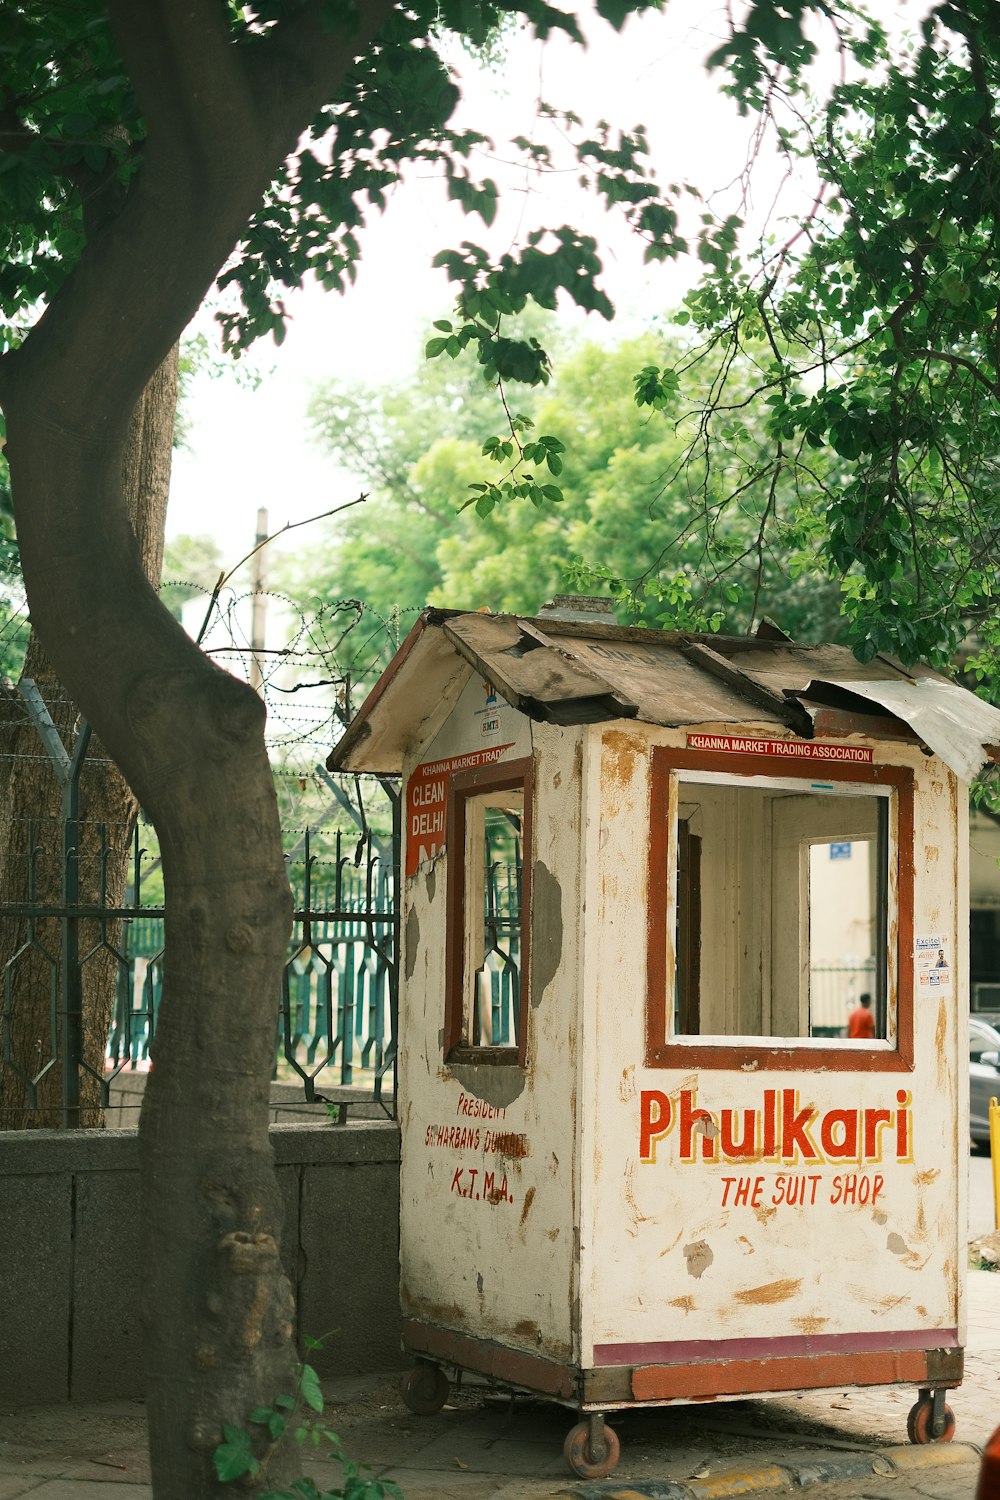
[647, 878]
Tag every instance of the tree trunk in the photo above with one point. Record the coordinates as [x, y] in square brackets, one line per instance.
[31, 848]
[190, 738]
[219, 120]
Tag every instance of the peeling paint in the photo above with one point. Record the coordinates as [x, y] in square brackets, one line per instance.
[896, 1245]
[771, 1291]
[763, 1214]
[699, 1257]
[931, 853]
[411, 942]
[546, 929]
[745, 1245]
[496, 1086]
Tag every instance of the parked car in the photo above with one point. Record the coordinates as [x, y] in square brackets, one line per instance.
[984, 1078]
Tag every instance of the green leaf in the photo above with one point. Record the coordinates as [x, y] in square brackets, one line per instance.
[310, 1389]
[234, 1457]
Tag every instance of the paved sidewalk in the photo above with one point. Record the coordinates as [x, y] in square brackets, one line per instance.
[853, 1444]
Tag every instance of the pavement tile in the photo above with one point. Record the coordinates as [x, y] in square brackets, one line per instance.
[76, 1489]
[840, 1443]
[13, 1486]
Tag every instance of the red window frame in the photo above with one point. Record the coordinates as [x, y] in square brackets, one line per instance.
[463, 786]
[663, 1050]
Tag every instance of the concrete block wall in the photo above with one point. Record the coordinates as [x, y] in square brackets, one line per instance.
[71, 1275]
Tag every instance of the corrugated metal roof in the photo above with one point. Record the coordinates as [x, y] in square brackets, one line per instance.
[580, 671]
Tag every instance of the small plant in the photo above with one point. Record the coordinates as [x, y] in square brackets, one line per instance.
[235, 1458]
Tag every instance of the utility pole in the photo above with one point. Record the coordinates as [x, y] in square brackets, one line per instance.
[258, 604]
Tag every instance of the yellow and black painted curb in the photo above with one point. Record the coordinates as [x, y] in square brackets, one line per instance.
[740, 1479]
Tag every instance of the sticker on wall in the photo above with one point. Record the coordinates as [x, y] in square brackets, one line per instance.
[933, 963]
[426, 796]
[489, 715]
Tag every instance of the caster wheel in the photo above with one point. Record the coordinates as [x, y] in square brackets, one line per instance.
[425, 1389]
[576, 1451]
[918, 1423]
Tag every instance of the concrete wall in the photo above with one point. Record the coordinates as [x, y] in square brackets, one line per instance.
[71, 1275]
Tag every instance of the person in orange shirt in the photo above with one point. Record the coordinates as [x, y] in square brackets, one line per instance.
[861, 1022]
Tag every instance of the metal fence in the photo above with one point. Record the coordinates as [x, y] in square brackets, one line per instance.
[68, 944]
[337, 1011]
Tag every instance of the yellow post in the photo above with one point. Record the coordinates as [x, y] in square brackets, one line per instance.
[995, 1158]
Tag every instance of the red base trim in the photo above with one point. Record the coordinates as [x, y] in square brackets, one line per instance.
[509, 1365]
[740, 1377]
[708, 1351]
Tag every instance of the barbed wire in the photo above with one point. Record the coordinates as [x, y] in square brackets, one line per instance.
[316, 664]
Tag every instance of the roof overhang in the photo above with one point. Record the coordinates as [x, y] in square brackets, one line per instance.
[572, 672]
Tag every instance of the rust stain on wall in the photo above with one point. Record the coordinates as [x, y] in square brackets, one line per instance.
[810, 1325]
[672, 1246]
[745, 1245]
[686, 1304]
[626, 1086]
[620, 751]
[763, 1214]
[529, 1199]
[923, 1179]
[940, 1045]
[951, 1279]
[634, 1212]
[699, 1257]
[771, 1291]
[931, 853]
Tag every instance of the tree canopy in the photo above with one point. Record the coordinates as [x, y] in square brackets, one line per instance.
[874, 322]
[638, 513]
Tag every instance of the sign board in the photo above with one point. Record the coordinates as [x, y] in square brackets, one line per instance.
[740, 744]
[426, 797]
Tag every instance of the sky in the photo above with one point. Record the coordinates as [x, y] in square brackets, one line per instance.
[250, 448]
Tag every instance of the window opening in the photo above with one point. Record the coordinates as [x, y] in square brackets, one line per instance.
[494, 863]
[782, 907]
[489, 843]
[776, 903]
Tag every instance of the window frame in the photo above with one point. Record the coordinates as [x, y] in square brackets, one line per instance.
[463, 788]
[666, 1050]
